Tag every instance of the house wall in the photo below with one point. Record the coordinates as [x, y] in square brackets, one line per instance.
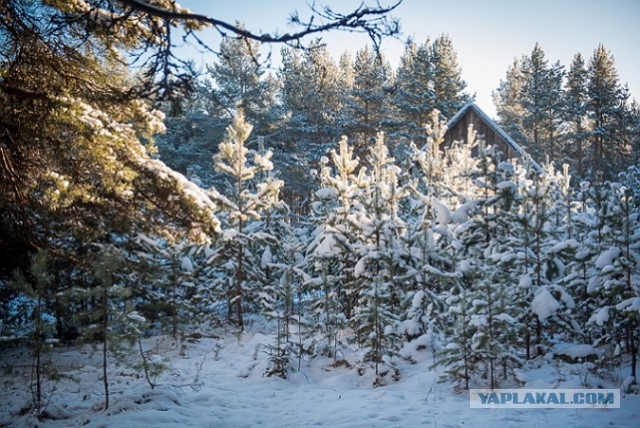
[458, 132]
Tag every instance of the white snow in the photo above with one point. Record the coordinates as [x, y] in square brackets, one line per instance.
[443, 215]
[600, 317]
[266, 258]
[606, 258]
[461, 214]
[544, 304]
[327, 247]
[186, 264]
[464, 265]
[221, 383]
[577, 351]
[627, 382]
[136, 317]
[630, 305]
[563, 245]
[360, 267]
[525, 281]
[326, 193]
[506, 166]
[506, 318]
[507, 184]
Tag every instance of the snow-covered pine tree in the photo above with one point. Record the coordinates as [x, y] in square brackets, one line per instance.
[426, 236]
[584, 219]
[279, 283]
[113, 320]
[483, 330]
[331, 252]
[447, 78]
[178, 291]
[507, 99]
[576, 145]
[369, 109]
[495, 308]
[629, 240]
[614, 320]
[240, 81]
[323, 291]
[546, 249]
[375, 321]
[234, 264]
[30, 310]
[604, 107]
[541, 97]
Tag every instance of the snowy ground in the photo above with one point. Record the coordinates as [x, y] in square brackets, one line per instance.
[219, 383]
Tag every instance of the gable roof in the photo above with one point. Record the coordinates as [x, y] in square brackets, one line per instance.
[491, 125]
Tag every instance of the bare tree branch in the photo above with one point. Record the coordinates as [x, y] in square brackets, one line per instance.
[373, 21]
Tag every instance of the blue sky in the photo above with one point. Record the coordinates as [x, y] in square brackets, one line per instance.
[487, 35]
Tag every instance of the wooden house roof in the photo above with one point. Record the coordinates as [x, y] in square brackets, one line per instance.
[471, 114]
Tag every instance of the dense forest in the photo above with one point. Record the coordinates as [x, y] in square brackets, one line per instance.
[319, 198]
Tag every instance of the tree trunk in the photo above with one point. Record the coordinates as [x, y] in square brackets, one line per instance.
[105, 330]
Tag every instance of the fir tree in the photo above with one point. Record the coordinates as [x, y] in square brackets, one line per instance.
[280, 263]
[612, 321]
[575, 115]
[447, 80]
[331, 253]
[243, 206]
[604, 107]
[240, 82]
[380, 265]
[369, 108]
[36, 292]
[509, 108]
[540, 97]
[414, 94]
[112, 318]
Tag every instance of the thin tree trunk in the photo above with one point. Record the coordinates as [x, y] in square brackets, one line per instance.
[38, 351]
[105, 329]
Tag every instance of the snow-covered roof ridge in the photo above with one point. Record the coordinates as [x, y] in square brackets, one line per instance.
[498, 130]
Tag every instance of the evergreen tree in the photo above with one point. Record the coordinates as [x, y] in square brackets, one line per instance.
[508, 103]
[540, 97]
[427, 238]
[447, 80]
[331, 253]
[605, 108]
[369, 108]
[310, 95]
[191, 123]
[112, 319]
[612, 321]
[629, 243]
[412, 96]
[233, 260]
[428, 78]
[281, 263]
[633, 132]
[575, 116]
[380, 265]
[78, 134]
[33, 310]
[239, 82]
